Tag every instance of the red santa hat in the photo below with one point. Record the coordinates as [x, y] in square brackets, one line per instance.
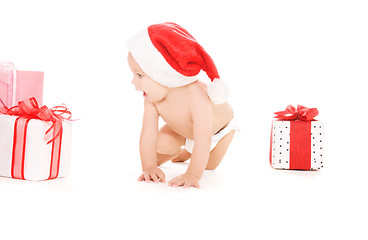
[172, 57]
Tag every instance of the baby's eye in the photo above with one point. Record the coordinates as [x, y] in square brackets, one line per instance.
[139, 75]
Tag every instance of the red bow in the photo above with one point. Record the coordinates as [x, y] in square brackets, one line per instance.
[301, 113]
[29, 109]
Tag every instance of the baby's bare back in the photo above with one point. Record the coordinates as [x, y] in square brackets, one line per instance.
[175, 111]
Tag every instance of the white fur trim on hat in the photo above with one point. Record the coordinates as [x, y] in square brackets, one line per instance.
[153, 63]
[218, 91]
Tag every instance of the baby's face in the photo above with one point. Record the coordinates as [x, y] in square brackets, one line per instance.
[152, 91]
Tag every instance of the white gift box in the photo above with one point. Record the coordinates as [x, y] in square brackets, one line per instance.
[302, 149]
[37, 153]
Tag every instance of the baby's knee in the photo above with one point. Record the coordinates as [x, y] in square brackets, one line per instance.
[165, 145]
[168, 150]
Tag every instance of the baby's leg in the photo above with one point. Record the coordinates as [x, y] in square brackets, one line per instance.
[218, 153]
[168, 144]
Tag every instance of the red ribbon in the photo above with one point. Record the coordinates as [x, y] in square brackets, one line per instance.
[27, 110]
[301, 113]
[300, 134]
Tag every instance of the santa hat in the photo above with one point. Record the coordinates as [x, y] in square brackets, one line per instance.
[172, 57]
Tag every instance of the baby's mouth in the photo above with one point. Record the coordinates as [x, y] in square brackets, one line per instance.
[144, 94]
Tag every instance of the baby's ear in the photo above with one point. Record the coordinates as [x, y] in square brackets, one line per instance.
[218, 91]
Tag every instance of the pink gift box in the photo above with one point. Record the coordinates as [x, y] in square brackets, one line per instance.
[17, 85]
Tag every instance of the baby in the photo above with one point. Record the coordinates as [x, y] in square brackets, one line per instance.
[165, 60]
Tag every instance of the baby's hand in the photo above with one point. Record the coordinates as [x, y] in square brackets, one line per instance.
[155, 174]
[185, 180]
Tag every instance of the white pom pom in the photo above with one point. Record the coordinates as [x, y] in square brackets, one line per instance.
[218, 91]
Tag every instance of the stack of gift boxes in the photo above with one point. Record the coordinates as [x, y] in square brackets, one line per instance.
[35, 141]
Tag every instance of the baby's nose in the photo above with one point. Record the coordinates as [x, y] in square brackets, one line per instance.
[134, 82]
[135, 85]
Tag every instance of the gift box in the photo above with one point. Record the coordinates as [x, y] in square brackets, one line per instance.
[17, 85]
[297, 139]
[35, 143]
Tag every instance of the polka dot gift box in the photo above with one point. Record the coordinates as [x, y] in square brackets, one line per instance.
[297, 139]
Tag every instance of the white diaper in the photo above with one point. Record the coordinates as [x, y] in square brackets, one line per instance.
[232, 125]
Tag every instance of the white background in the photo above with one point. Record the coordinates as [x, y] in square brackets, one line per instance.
[271, 54]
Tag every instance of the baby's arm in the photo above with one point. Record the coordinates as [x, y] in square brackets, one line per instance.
[201, 111]
[148, 145]
[202, 133]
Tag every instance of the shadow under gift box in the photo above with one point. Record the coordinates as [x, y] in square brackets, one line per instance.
[37, 153]
[17, 85]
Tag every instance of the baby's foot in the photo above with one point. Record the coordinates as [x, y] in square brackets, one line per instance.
[182, 157]
[177, 159]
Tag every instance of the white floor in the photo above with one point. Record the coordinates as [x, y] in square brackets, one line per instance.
[243, 198]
